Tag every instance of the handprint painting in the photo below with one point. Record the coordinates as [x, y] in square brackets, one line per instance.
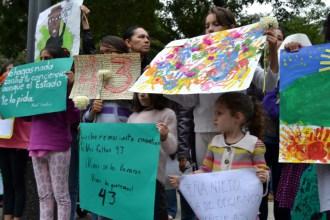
[212, 63]
[305, 108]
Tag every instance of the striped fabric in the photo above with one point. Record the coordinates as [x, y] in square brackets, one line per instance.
[247, 153]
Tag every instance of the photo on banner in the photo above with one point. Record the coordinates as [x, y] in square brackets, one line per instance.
[106, 76]
[233, 194]
[118, 169]
[304, 109]
[59, 26]
[35, 88]
[213, 63]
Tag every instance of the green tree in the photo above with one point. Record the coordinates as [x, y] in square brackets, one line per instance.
[13, 27]
[186, 18]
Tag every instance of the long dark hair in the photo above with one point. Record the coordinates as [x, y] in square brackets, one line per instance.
[116, 42]
[249, 107]
[158, 101]
[4, 66]
[56, 52]
[129, 32]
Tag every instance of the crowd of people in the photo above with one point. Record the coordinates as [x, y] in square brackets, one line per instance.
[198, 133]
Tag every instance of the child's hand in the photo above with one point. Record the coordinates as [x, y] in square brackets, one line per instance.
[97, 106]
[262, 174]
[174, 181]
[163, 130]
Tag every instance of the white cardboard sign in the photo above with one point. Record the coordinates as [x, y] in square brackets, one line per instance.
[225, 195]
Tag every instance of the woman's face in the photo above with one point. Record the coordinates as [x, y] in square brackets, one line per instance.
[212, 25]
[144, 100]
[139, 42]
[45, 55]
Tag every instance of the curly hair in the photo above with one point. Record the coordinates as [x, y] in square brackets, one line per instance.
[249, 107]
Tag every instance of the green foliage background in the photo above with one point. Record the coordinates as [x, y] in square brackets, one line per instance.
[164, 19]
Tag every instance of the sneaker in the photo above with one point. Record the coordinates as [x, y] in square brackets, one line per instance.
[170, 217]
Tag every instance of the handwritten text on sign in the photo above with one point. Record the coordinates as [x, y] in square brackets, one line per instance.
[30, 89]
[225, 195]
[118, 167]
[123, 69]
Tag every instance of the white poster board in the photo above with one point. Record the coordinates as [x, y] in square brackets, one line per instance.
[6, 128]
[225, 195]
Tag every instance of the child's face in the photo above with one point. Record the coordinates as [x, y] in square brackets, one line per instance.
[212, 25]
[224, 121]
[45, 55]
[107, 48]
[144, 99]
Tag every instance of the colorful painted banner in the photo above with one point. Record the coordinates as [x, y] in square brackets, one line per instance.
[233, 194]
[6, 128]
[304, 109]
[59, 26]
[106, 76]
[118, 168]
[213, 63]
[35, 88]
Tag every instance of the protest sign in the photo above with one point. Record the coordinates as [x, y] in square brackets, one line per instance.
[35, 88]
[233, 194]
[106, 76]
[59, 26]
[6, 128]
[117, 169]
[212, 63]
[304, 111]
[306, 203]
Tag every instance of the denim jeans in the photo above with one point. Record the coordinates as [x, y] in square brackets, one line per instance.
[172, 205]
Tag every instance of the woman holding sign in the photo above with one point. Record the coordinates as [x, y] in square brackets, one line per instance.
[50, 151]
[219, 19]
[13, 158]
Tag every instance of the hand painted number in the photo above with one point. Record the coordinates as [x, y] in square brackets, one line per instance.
[123, 71]
[103, 196]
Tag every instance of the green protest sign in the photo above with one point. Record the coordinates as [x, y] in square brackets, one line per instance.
[35, 88]
[118, 168]
[307, 204]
